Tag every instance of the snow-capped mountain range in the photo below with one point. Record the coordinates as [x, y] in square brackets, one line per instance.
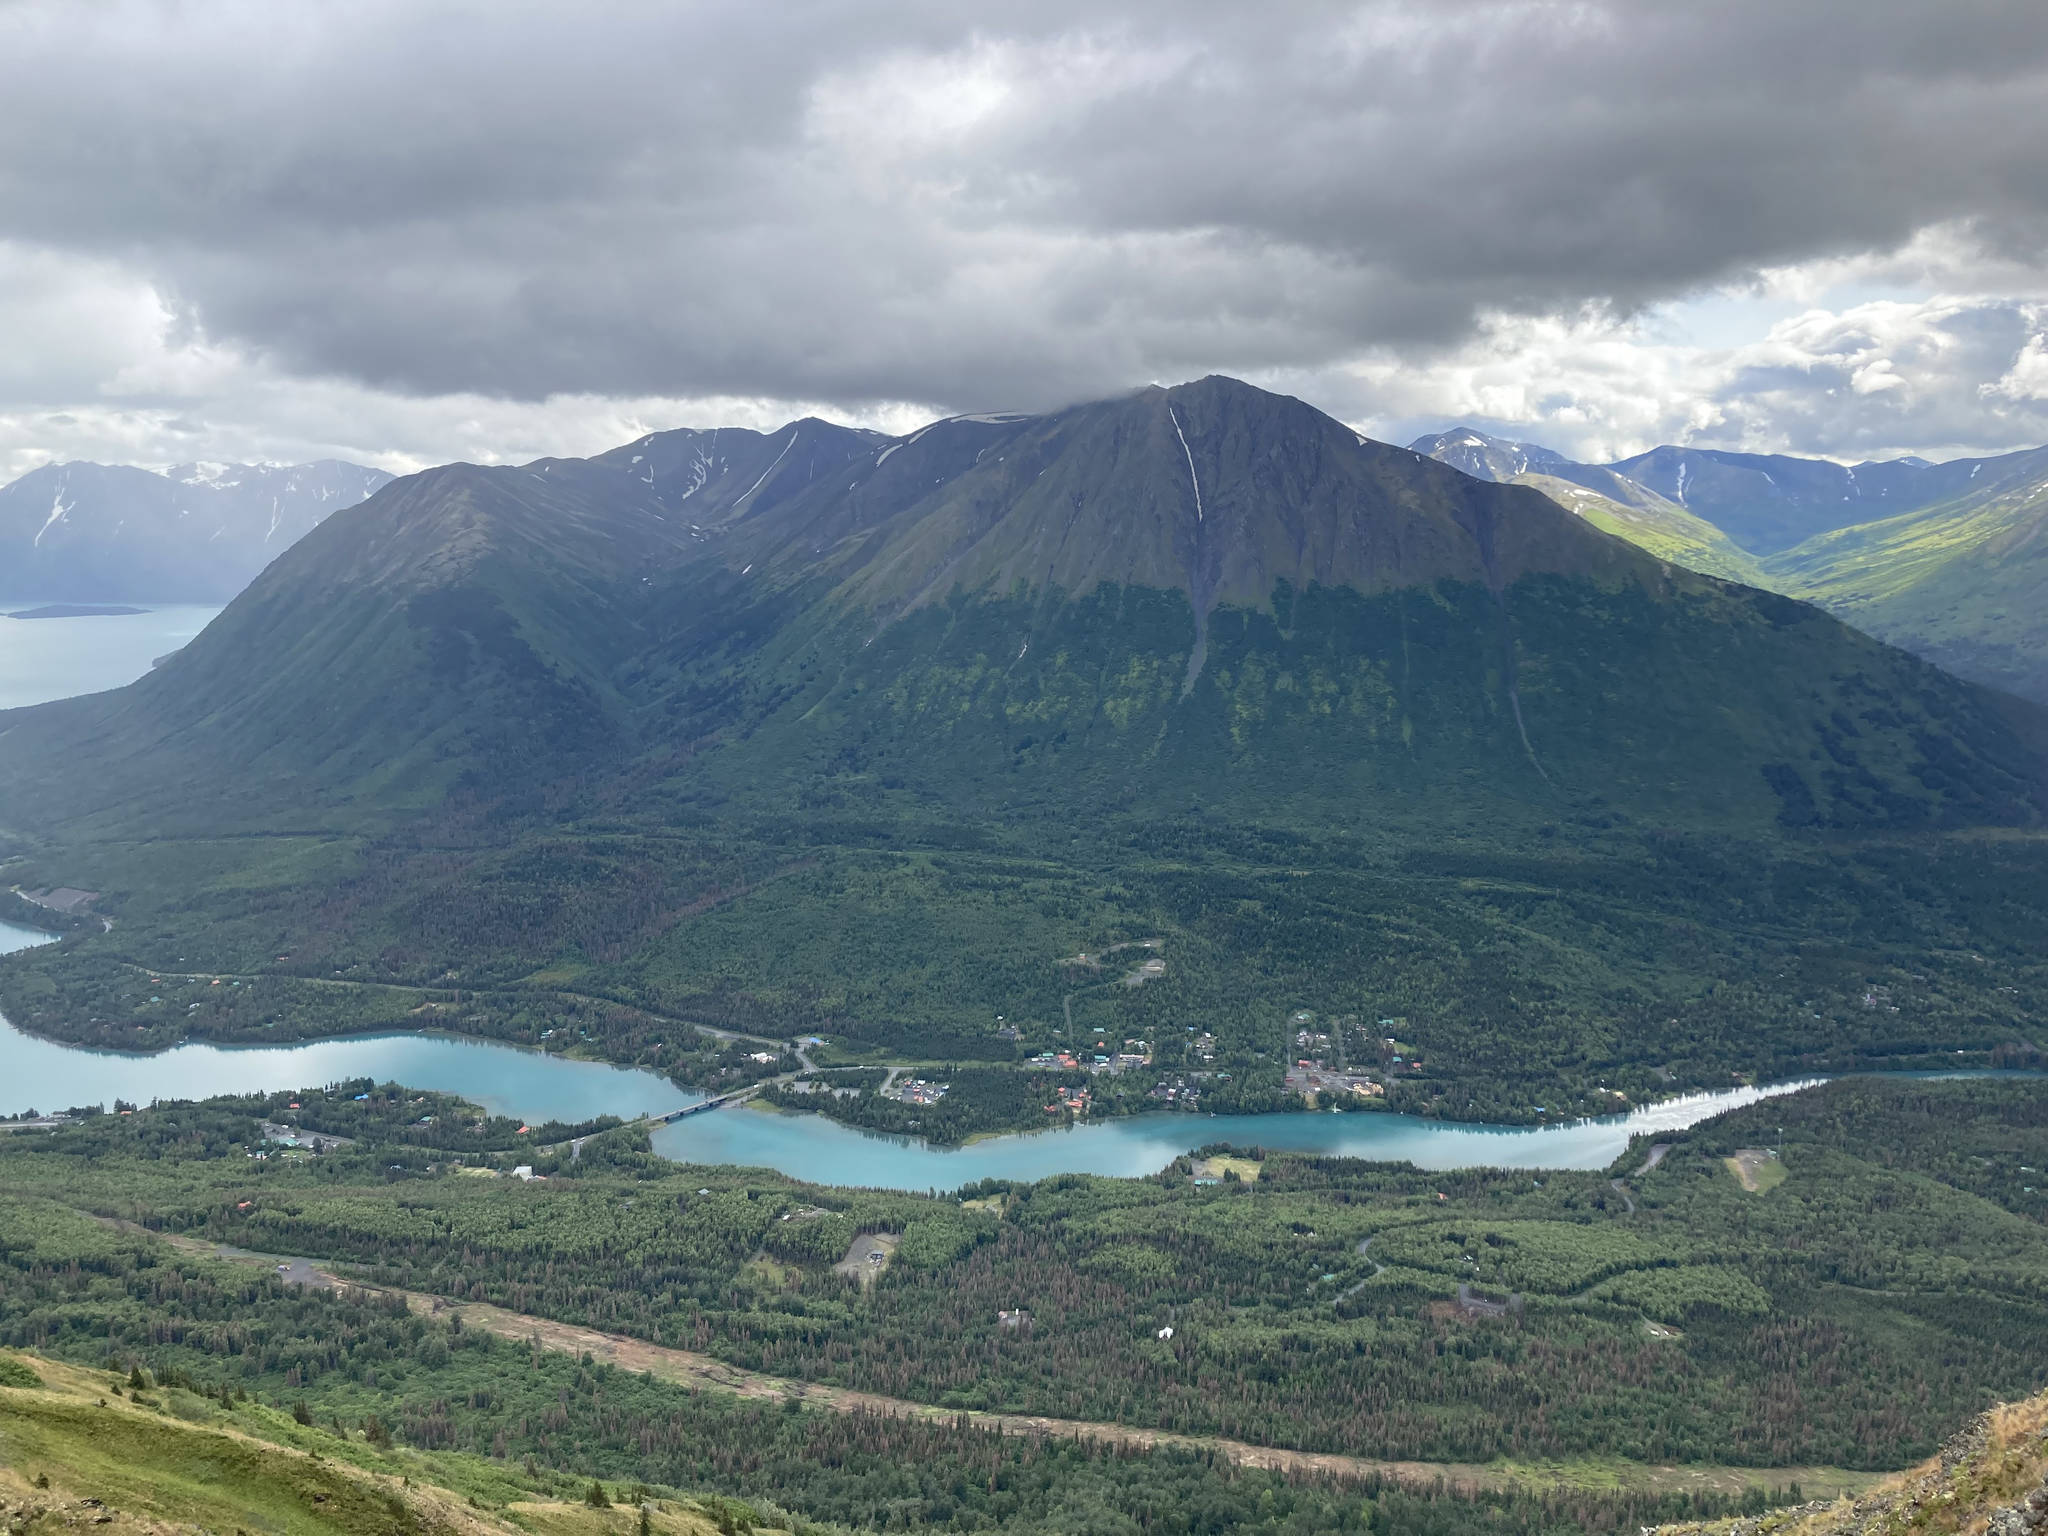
[86, 532]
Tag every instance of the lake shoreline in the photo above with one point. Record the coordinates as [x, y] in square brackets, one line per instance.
[537, 1085]
[63, 650]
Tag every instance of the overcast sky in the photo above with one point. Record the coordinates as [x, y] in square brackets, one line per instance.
[402, 231]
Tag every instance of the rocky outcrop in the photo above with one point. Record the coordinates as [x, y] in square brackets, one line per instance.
[1991, 1478]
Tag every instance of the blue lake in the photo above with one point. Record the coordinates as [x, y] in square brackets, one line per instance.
[43, 659]
[43, 1075]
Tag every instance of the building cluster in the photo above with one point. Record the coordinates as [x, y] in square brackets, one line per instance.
[1183, 1090]
[1073, 1101]
[1399, 1058]
[1310, 1042]
[1135, 1053]
[917, 1091]
[1310, 1080]
[309, 1141]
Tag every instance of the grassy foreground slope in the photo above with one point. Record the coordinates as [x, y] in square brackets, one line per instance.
[87, 1448]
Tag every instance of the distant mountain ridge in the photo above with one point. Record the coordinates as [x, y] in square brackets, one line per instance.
[1947, 560]
[1769, 502]
[84, 532]
[1201, 594]
[1609, 500]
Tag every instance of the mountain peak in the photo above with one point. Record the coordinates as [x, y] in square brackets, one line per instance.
[1216, 488]
[1486, 457]
[1171, 582]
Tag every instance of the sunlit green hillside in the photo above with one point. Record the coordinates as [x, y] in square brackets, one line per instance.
[1964, 583]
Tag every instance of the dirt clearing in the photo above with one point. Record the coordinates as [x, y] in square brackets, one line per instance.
[1756, 1169]
[1247, 1169]
[868, 1256]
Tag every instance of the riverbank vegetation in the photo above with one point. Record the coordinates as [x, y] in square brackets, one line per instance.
[989, 1101]
[132, 1007]
[1536, 976]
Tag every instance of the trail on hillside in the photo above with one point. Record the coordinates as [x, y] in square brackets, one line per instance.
[689, 1368]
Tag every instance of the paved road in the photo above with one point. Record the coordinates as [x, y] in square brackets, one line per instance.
[1656, 1156]
[1378, 1269]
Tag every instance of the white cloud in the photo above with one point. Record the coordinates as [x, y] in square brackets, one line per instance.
[99, 366]
[2026, 381]
[1939, 375]
[407, 230]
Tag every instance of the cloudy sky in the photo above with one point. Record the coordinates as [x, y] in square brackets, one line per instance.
[403, 231]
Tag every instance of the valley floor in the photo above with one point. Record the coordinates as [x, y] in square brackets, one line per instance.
[687, 1368]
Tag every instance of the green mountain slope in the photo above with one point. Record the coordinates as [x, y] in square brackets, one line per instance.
[1607, 499]
[1964, 582]
[1650, 522]
[1213, 594]
[863, 735]
[1944, 560]
[1208, 593]
[76, 1450]
[1769, 502]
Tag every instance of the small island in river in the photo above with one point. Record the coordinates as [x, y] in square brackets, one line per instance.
[76, 611]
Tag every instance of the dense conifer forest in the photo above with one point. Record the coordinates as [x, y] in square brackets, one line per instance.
[1887, 1278]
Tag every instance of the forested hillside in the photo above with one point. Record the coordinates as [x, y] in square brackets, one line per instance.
[1664, 1313]
[1672, 1310]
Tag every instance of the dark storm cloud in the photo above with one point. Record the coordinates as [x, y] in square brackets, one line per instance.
[927, 202]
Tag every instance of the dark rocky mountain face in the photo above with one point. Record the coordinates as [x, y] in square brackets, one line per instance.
[84, 532]
[1200, 595]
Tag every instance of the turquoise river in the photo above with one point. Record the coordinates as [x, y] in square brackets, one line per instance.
[40, 1074]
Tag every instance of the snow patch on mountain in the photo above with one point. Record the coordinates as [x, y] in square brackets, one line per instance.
[199, 532]
[57, 511]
